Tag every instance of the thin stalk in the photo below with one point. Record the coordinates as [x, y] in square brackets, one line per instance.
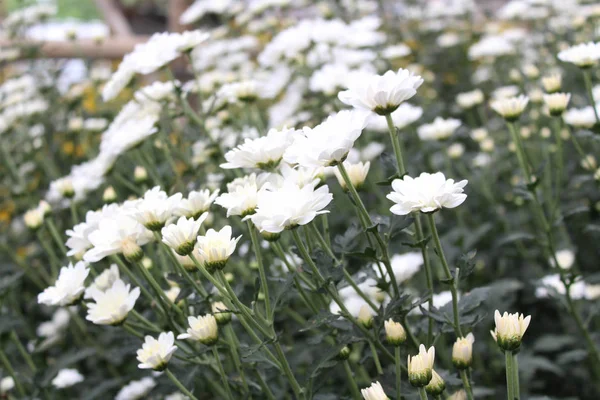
[394, 137]
[351, 381]
[467, 385]
[265, 388]
[517, 386]
[422, 393]
[179, 385]
[510, 389]
[397, 364]
[261, 270]
[129, 328]
[54, 260]
[559, 160]
[299, 392]
[588, 87]
[224, 378]
[124, 268]
[442, 256]
[9, 368]
[376, 358]
[160, 293]
[521, 155]
[233, 346]
[24, 353]
[74, 216]
[428, 274]
[55, 235]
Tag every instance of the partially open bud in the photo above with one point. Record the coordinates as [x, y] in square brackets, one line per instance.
[365, 317]
[109, 195]
[356, 172]
[344, 353]
[510, 329]
[462, 352]
[394, 333]
[557, 103]
[458, 395]
[552, 83]
[436, 385]
[131, 250]
[374, 392]
[140, 175]
[420, 367]
[221, 313]
[33, 219]
[64, 187]
[202, 329]
[510, 108]
[270, 237]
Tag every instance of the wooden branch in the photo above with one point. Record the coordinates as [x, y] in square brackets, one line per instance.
[108, 48]
[114, 17]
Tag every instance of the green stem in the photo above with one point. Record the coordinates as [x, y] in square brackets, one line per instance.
[10, 164]
[397, 364]
[588, 87]
[74, 216]
[54, 232]
[510, 390]
[422, 393]
[442, 256]
[467, 385]
[428, 273]
[288, 371]
[233, 349]
[515, 367]
[179, 385]
[224, 377]
[521, 155]
[376, 358]
[265, 388]
[351, 381]
[261, 269]
[165, 302]
[129, 328]
[395, 138]
[24, 353]
[559, 160]
[12, 373]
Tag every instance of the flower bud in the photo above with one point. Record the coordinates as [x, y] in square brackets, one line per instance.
[202, 329]
[344, 353]
[365, 317]
[552, 83]
[420, 367]
[33, 219]
[455, 151]
[557, 103]
[140, 175]
[462, 352]
[436, 385]
[147, 262]
[270, 237]
[131, 250]
[374, 392]
[510, 108]
[109, 195]
[395, 333]
[510, 329]
[458, 395]
[356, 172]
[221, 313]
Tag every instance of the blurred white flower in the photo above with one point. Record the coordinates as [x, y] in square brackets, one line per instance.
[156, 353]
[581, 117]
[113, 305]
[557, 102]
[136, 390]
[583, 55]
[426, 193]
[103, 281]
[565, 258]
[439, 129]
[510, 108]
[67, 377]
[68, 288]
[470, 99]
[6, 384]
[56, 326]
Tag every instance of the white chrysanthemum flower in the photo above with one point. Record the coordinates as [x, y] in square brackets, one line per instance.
[420, 366]
[215, 248]
[288, 206]
[202, 329]
[33, 218]
[112, 306]
[462, 351]
[510, 329]
[510, 108]
[68, 288]
[439, 129]
[455, 150]
[404, 266]
[103, 281]
[583, 118]
[426, 193]
[263, 153]
[491, 47]
[136, 390]
[182, 235]
[156, 353]
[242, 193]
[395, 334]
[381, 94]
[196, 203]
[557, 102]
[6, 384]
[155, 208]
[436, 385]
[56, 326]
[552, 83]
[301, 175]
[67, 377]
[328, 143]
[188, 40]
[468, 100]
[565, 258]
[583, 55]
[357, 172]
[374, 392]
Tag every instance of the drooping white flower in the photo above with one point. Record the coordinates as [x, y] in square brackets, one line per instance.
[510, 329]
[67, 377]
[155, 208]
[328, 143]
[263, 153]
[381, 94]
[68, 288]
[439, 129]
[156, 353]
[215, 248]
[374, 392]
[426, 193]
[203, 329]
[112, 306]
[583, 55]
[357, 172]
[196, 203]
[182, 235]
[136, 390]
[103, 281]
[288, 206]
[420, 366]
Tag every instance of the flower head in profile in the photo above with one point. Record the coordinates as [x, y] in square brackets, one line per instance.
[182, 235]
[552, 83]
[426, 193]
[215, 248]
[328, 143]
[67, 377]
[395, 333]
[263, 153]
[439, 129]
[68, 288]
[583, 55]
[381, 94]
[557, 102]
[221, 312]
[510, 108]
[436, 385]
[196, 203]
[103, 281]
[156, 353]
[288, 206]
[241, 195]
[202, 329]
[510, 329]
[420, 367]
[374, 392]
[112, 306]
[155, 208]
[462, 351]
[357, 172]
